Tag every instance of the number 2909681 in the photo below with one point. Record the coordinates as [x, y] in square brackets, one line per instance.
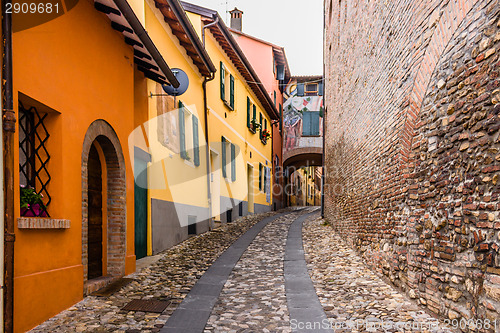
[32, 8]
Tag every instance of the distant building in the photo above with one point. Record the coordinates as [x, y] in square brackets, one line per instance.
[303, 113]
[271, 65]
[241, 117]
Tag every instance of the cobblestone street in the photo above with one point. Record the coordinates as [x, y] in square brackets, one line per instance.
[254, 296]
[350, 292]
[258, 293]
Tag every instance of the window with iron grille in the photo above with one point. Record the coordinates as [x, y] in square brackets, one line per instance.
[33, 160]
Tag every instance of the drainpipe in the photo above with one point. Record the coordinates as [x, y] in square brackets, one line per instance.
[8, 123]
[207, 150]
[1, 233]
[208, 26]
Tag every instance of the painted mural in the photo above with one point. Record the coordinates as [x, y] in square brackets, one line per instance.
[293, 114]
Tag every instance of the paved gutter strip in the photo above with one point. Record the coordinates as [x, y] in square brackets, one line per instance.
[194, 311]
[303, 304]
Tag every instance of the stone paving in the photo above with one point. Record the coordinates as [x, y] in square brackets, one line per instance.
[353, 294]
[253, 298]
[304, 306]
[170, 277]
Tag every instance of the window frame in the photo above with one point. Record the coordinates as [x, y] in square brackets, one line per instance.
[227, 89]
[196, 140]
[315, 91]
[33, 168]
[233, 162]
[227, 159]
[187, 136]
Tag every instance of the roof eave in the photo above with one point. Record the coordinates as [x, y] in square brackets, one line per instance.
[193, 36]
[146, 56]
[270, 107]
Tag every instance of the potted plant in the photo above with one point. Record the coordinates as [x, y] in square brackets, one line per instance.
[31, 203]
[266, 134]
[254, 125]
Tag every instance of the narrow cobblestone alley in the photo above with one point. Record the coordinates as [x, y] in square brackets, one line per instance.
[254, 296]
[259, 289]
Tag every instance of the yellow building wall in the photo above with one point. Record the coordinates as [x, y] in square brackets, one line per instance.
[172, 177]
[233, 126]
[307, 188]
[80, 67]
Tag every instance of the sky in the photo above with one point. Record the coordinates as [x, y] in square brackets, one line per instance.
[296, 25]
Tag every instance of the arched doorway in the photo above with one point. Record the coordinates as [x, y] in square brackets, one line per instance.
[95, 224]
[103, 206]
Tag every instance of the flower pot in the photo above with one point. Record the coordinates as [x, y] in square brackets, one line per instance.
[35, 211]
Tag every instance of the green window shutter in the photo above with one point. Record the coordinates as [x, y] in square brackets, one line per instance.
[223, 149]
[196, 143]
[281, 117]
[265, 180]
[315, 123]
[248, 113]
[233, 162]
[265, 125]
[300, 89]
[260, 122]
[306, 123]
[260, 176]
[231, 91]
[182, 131]
[254, 112]
[222, 83]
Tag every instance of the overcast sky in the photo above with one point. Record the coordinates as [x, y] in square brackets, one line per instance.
[295, 24]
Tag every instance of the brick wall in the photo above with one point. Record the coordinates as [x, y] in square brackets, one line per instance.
[412, 148]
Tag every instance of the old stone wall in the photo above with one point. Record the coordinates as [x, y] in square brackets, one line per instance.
[412, 147]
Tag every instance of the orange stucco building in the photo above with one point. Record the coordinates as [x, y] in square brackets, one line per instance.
[75, 75]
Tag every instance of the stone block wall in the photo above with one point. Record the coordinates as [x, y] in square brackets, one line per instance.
[412, 146]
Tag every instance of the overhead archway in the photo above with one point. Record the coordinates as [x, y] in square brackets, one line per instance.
[302, 157]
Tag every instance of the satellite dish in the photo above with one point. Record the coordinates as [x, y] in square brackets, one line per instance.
[183, 79]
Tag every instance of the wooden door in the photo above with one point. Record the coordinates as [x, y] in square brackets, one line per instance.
[95, 197]
[141, 208]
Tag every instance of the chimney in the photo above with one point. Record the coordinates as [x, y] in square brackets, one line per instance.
[236, 17]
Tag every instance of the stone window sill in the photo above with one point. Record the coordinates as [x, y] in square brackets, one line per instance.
[42, 223]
